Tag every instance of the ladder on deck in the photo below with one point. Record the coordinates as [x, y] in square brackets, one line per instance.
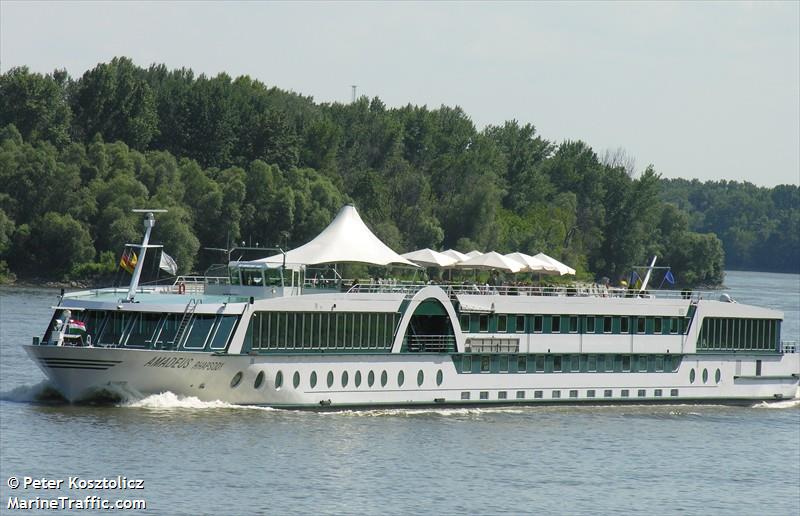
[191, 306]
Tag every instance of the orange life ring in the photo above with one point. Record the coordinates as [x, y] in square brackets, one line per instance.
[181, 288]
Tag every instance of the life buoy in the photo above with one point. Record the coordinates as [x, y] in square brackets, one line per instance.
[181, 288]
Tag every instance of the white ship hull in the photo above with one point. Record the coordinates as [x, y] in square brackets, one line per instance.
[83, 373]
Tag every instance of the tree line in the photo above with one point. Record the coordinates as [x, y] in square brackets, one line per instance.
[235, 160]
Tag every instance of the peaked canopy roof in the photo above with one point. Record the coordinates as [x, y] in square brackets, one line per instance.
[452, 253]
[346, 240]
[562, 269]
[491, 260]
[429, 258]
[534, 264]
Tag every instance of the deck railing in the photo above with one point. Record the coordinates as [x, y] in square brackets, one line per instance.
[577, 290]
[431, 343]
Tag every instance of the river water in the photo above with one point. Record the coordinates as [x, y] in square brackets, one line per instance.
[213, 458]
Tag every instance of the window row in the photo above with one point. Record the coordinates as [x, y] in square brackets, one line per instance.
[344, 379]
[152, 330]
[576, 363]
[586, 324]
[321, 330]
[573, 393]
[733, 334]
[693, 376]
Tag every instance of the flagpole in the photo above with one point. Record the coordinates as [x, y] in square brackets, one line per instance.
[149, 222]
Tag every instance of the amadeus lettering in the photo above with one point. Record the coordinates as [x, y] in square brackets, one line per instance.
[182, 363]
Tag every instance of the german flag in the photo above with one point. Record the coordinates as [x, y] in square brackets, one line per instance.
[128, 260]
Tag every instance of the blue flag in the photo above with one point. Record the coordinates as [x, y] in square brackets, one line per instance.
[669, 278]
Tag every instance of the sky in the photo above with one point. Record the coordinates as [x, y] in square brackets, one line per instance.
[698, 90]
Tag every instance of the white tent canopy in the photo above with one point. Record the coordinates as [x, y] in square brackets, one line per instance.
[473, 253]
[534, 264]
[346, 240]
[491, 260]
[452, 253]
[429, 258]
[562, 269]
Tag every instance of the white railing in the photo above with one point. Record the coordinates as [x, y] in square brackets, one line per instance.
[577, 290]
[789, 346]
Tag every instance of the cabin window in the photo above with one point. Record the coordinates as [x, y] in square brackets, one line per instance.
[640, 324]
[466, 364]
[252, 277]
[384, 379]
[330, 379]
[592, 363]
[522, 364]
[401, 378]
[296, 379]
[537, 395]
[464, 321]
[484, 395]
[486, 362]
[673, 392]
[626, 363]
[557, 363]
[624, 393]
[502, 323]
[114, 327]
[610, 363]
[345, 378]
[223, 331]
[520, 395]
[624, 325]
[673, 325]
[142, 331]
[439, 377]
[312, 380]
[590, 324]
[371, 379]
[657, 393]
[573, 394]
[420, 378]
[556, 394]
[658, 329]
[608, 393]
[659, 363]
[484, 323]
[540, 364]
[357, 379]
[537, 323]
[573, 324]
[502, 395]
[606, 324]
[590, 393]
[278, 380]
[555, 324]
[198, 334]
[520, 325]
[465, 395]
[502, 363]
[575, 363]
[642, 367]
[642, 393]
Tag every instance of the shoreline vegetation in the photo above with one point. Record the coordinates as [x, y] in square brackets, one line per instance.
[236, 161]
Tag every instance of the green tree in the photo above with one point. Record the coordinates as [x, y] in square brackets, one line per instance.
[36, 104]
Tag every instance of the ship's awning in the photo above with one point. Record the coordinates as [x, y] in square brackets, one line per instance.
[346, 240]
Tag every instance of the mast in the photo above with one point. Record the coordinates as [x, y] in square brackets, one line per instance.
[149, 222]
[647, 276]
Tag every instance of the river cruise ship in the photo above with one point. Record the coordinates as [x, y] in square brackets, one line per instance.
[273, 332]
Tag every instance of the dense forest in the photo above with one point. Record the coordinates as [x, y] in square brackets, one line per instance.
[235, 160]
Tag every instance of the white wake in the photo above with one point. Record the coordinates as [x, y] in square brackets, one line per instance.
[170, 400]
[786, 404]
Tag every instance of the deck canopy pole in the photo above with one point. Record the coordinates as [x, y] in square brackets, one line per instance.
[149, 222]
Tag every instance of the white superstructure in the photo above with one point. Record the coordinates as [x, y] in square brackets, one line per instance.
[273, 333]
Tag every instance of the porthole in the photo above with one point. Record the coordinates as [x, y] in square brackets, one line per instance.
[330, 378]
[278, 380]
[259, 380]
[358, 378]
[439, 377]
[371, 378]
[237, 378]
[384, 379]
[345, 378]
[718, 376]
[312, 380]
[705, 375]
[420, 378]
[401, 377]
[296, 379]
[691, 376]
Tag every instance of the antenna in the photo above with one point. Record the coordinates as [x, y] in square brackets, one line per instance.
[354, 86]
